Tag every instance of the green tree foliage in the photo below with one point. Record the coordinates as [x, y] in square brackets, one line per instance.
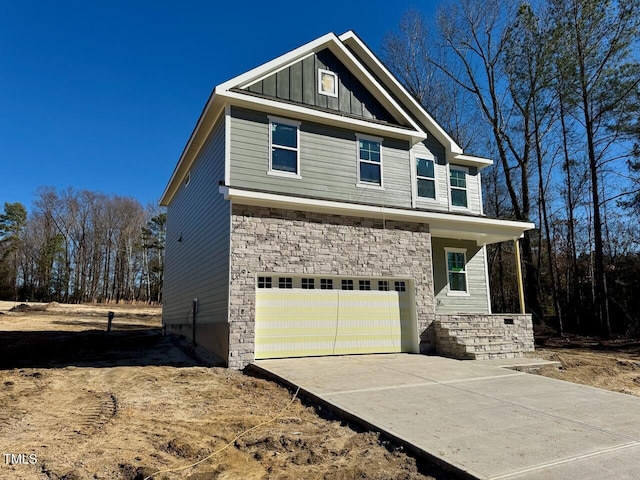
[557, 85]
[12, 222]
[82, 246]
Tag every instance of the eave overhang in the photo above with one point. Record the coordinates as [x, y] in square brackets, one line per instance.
[481, 230]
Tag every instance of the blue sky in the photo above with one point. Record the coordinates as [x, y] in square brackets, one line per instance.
[104, 95]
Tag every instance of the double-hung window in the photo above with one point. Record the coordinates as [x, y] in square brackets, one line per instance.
[284, 141]
[458, 180]
[426, 178]
[369, 161]
[457, 271]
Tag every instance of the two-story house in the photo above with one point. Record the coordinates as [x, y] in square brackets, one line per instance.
[317, 209]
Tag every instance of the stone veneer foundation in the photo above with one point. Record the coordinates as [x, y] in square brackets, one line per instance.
[267, 240]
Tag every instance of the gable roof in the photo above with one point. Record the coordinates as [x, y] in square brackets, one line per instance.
[410, 119]
[230, 89]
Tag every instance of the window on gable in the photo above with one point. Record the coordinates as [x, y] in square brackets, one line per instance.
[327, 83]
[426, 178]
[369, 161]
[458, 179]
[284, 141]
[457, 270]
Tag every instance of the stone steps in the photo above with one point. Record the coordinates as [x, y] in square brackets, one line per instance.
[483, 337]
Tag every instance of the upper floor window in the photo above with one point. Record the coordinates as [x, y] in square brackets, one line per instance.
[327, 83]
[426, 178]
[284, 155]
[458, 179]
[457, 270]
[369, 161]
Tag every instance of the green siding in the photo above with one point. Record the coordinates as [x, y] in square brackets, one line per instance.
[198, 265]
[328, 163]
[476, 302]
[299, 83]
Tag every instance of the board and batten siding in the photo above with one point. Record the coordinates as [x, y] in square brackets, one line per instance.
[299, 83]
[476, 301]
[328, 163]
[197, 250]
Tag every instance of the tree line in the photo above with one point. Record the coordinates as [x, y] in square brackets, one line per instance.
[550, 89]
[81, 246]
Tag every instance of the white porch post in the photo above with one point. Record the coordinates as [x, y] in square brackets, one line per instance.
[516, 244]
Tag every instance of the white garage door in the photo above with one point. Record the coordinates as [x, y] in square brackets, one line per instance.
[305, 316]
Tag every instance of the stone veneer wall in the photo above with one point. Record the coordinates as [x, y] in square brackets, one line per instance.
[287, 241]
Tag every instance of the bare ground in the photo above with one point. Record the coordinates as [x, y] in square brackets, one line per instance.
[123, 405]
[609, 364]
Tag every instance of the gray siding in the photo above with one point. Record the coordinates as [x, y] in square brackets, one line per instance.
[328, 163]
[430, 148]
[476, 302]
[299, 83]
[198, 265]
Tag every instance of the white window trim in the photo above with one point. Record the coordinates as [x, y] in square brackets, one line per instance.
[466, 189]
[335, 83]
[457, 293]
[291, 123]
[360, 183]
[414, 169]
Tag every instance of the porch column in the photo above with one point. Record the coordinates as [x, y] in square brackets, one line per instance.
[516, 244]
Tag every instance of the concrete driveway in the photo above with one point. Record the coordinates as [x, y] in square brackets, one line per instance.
[481, 420]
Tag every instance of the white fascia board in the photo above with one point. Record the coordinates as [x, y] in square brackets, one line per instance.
[305, 113]
[350, 38]
[471, 160]
[209, 116]
[369, 81]
[482, 230]
[277, 63]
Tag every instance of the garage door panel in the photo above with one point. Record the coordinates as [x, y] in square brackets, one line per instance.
[299, 322]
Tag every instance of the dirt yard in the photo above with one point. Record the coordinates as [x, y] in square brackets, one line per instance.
[78, 403]
[612, 365]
